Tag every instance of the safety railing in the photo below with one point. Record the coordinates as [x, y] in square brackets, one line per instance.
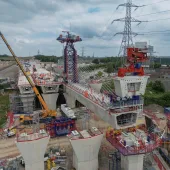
[134, 150]
[23, 137]
[104, 101]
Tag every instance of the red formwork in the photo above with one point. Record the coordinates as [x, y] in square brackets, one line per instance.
[51, 130]
[142, 149]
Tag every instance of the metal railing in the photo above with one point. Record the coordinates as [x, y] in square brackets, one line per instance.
[23, 137]
[104, 101]
[127, 150]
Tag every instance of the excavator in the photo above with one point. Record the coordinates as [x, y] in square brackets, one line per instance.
[46, 112]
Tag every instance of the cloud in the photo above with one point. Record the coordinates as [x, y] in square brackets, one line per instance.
[30, 25]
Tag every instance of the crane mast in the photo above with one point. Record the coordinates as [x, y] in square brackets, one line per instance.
[46, 111]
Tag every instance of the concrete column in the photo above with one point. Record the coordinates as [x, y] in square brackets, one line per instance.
[85, 155]
[27, 100]
[33, 152]
[51, 100]
[133, 162]
[96, 86]
[70, 100]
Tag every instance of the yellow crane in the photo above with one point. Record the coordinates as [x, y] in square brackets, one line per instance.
[46, 111]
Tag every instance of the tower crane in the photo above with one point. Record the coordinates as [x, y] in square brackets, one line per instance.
[46, 111]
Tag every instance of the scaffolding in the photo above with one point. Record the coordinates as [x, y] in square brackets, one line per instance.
[115, 161]
[19, 106]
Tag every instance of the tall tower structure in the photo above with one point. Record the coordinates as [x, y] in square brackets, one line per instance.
[127, 40]
[70, 55]
[133, 143]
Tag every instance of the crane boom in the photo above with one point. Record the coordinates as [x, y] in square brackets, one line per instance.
[45, 107]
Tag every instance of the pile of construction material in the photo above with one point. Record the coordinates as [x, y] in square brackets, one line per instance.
[56, 156]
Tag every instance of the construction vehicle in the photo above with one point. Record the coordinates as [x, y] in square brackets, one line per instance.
[46, 111]
[10, 132]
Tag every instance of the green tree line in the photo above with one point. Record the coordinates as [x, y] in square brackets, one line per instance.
[44, 58]
[155, 94]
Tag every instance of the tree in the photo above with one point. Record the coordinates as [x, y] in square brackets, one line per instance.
[157, 65]
[43, 58]
[95, 61]
[109, 68]
[157, 86]
[99, 74]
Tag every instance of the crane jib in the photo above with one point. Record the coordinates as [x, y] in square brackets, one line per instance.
[27, 77]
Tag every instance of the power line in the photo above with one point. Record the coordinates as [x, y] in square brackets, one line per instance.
[153, 13]
[140, 15]
[155, 31]
[159, 19]
[154, 3]
[108, 23]
[158, 33]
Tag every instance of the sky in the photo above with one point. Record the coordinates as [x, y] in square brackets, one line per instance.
[32, 25]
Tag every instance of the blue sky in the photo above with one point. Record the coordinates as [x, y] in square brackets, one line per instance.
[33, 25]
[93, 10]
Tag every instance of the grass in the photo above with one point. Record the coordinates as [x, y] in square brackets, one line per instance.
[4, 105]
[162, 99]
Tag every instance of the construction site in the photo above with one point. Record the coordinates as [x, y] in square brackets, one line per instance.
[61, 117]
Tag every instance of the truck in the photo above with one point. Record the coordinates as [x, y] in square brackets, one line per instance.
[68, 112]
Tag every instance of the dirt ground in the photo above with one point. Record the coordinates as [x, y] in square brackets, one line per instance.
[8, 147]
[155, 108]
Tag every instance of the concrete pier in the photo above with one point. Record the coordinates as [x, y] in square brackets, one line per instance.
[27, 100]
[133, 162]
[51, 100]
[32, 148]
[85, 155]
[71, 102]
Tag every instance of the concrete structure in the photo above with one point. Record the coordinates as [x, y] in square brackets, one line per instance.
[27, 101]
[86, 145]
[130, 85]
[23, 85]
[32, 148]
[51, 99]
[109, 115]
[141, 45]
[133, 162]
[120, 113]
[96, 86]
[42, 78]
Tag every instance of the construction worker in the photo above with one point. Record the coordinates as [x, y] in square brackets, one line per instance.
[48, 164]
[53, 164]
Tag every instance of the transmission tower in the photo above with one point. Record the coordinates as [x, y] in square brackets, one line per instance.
[127, 40]
[82, 52]
[38, 52]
